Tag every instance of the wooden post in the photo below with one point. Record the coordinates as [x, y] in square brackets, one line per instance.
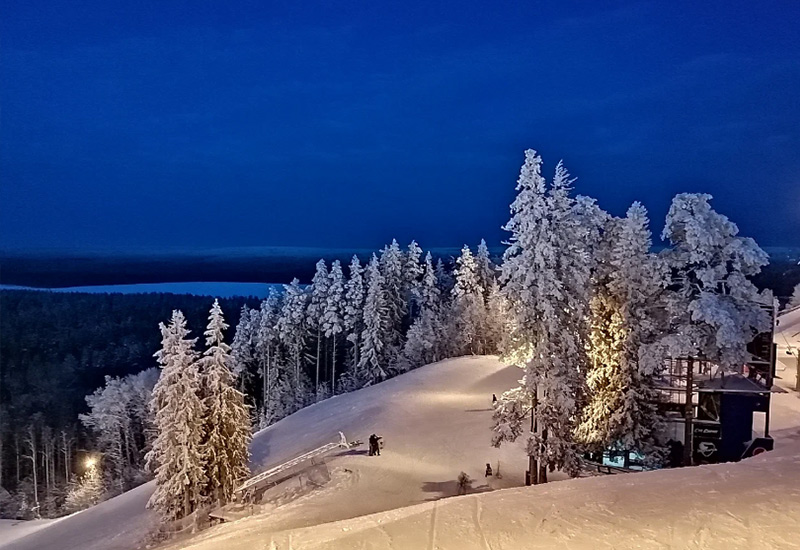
[688, 415]
[542, 476]
[537, 468]
[532, 466]
[797, 373]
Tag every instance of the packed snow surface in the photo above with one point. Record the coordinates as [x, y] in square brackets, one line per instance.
[435, 421]
[12, 529]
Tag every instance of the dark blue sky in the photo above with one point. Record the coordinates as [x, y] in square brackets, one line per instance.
[137, 124]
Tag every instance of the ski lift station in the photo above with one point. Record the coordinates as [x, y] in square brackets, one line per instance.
[713, 414]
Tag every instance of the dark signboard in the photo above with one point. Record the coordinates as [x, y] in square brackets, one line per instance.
[706, 441]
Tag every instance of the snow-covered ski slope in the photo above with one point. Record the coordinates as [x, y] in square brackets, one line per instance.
[435, 421]
[755, 504]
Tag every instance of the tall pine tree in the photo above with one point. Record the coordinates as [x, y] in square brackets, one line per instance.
[293, 334]
[371, 366]
[395, 288]
[545, 274]
[267, 351]
[424, 342]
[412, 271]
[316, 312]
[714, 307]
[354, 309]
[227, 422]
[177, 454]
[620, 411]
[332, 320]
[469, 311]
[486, 270]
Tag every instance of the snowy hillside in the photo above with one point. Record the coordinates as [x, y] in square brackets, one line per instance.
[435, 421]
[751, 504]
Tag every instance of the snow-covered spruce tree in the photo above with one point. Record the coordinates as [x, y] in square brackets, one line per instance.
[486, 270]
[332, 320]
[177, 454]
[545, 276]
[469, 310]
[621, 404]
[412, 271]
[266, 347]
[354, 309]
[293, 333]
[395, 301]
[527, 268]
[87, 491]
[496, 320]
[428, 294]
[242, 350]
[713, 306]
[227, 421]
[371, 367]
[444, 276]
[316, 312]
[109, 422]
[423, 343]
[120, 420]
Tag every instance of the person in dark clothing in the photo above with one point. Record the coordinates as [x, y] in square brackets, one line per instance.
[374, 445]
[675, 454]
[488, 470]
[494, 399]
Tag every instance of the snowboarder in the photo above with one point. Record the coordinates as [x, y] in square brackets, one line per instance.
[374, 446]
[488, 470]
[494, 400]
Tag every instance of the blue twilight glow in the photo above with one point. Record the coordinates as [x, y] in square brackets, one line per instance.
[347, 123]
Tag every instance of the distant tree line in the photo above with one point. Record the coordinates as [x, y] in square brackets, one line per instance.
[345, 331]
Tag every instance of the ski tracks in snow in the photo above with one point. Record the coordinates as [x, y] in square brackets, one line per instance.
[432, 530]
[478, 526]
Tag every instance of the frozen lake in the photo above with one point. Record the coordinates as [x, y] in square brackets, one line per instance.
[216, 289]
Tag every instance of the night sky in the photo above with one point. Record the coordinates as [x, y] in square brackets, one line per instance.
[344, 124]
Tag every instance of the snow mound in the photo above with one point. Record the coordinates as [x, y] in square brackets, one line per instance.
[116, 524]
[753, 504]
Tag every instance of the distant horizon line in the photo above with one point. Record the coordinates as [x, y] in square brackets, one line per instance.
[200, 249]
[210, 249]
